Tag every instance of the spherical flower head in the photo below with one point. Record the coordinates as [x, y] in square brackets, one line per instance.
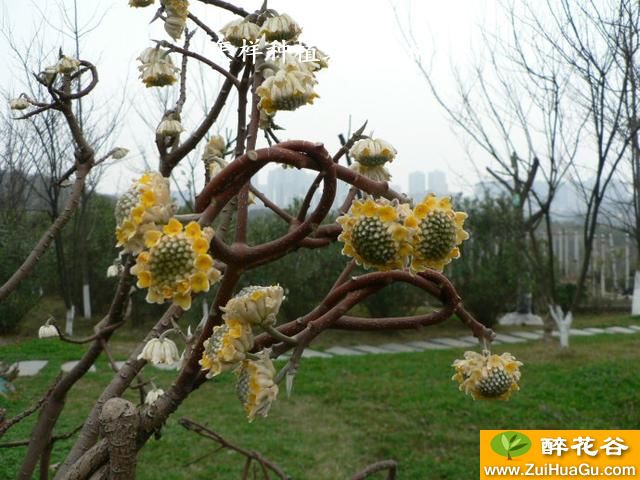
[19, 103]
[177, 12]
[140, 3]
[255, 386]
[437, 232]
[48, 331]
[279, 28]
[176, 264]
[153, 395]
[146, 205]
[374, 235]
[67, 65]
[486, 376]
[157, 69]
[160, 351]
[226, 347]
[240, 32]
[288, 89]
[256, 305]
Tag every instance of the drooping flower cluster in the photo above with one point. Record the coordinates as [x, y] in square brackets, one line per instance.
[140, 3]
[213, 155]
[157, 68]
[290, 87]
[176, 264]
[48, 331]
[240, 32]
[388, 235]
[177, 12]
[228, 346]
[370, 157]
[486, 376]
[146, 206]
[160, 351]
[255, 386]
[280, 28]
[256, 305]
[67, 65]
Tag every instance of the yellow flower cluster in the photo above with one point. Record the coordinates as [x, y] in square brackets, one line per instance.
[177, 12]
[176, 263]
[256, 305]
[486, 376]
[437, 232]
[280, 28]
[146, 206]
[240, 32]
[157, 68]
[370, 156]
[226, 347]
[290, 87]
[386, 235]
[255, 386]
[373, 235]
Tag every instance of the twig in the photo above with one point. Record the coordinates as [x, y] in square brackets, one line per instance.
[25, 413]
[249, 454]
[54, 438]
[390, 465]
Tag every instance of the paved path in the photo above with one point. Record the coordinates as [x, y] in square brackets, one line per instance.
[33, 367]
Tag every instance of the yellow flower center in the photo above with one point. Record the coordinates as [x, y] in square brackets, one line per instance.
[372, 241]
[125, 204]
[172, 259]
[373, 160]
[496, 383]
[438, 235]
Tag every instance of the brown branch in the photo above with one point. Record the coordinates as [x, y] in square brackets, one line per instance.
[54, 438]
[5, 426]
[369, 470]
[119, 420]
[97, 336]
[251, 455]
[227, 6]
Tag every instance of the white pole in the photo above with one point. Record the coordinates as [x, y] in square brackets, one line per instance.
[614, 264]
[626, 261]
[576, 251]
[603, 265]
[86, 301]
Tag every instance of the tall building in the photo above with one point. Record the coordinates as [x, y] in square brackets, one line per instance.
[438, 183]
[417, 185]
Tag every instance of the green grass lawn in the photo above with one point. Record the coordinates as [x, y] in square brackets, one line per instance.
[347, 412]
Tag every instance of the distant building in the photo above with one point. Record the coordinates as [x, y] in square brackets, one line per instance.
[417, 185]
[438, 183]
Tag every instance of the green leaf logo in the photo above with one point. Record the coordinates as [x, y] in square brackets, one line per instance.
[510, 444]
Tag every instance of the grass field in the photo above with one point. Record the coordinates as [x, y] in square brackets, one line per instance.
[347, 412]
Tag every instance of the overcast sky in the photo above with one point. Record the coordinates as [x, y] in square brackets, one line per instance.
[371, 76]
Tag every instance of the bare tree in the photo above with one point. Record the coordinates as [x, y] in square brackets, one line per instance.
[116, 429]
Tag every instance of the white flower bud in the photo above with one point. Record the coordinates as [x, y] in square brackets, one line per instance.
[119, 153]
[153, 395]
[160, 352]
[19, 103]
[48, 331]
